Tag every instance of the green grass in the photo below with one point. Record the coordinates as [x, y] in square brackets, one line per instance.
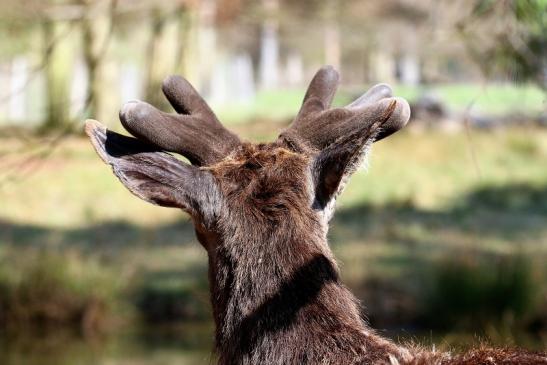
[424, 202]
[489, 99]
[273, 105]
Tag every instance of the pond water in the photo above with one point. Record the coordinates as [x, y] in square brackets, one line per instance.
[183, 345]
[188, 344]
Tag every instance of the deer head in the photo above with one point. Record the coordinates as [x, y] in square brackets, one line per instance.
[306, 167]
[260, 210]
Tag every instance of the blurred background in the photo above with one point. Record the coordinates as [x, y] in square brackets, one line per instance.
[444, 240]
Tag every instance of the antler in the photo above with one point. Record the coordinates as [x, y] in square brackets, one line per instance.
[194, 132]
[316, 126]
[338, 138]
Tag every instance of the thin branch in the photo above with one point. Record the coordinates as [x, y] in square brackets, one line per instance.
[466, 123]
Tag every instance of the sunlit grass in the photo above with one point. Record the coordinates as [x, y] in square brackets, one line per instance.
[73, 187]
[487, 99]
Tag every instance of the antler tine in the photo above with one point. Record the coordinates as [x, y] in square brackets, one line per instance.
[317, 126]
[320, 91]
[318, 98]
[195, 132]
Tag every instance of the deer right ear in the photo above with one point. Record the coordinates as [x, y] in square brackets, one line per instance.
[151, 174]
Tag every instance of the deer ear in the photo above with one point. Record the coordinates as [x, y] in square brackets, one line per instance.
[336, 162]
[152, 175]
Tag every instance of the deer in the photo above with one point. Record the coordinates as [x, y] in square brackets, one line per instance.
[261, 211]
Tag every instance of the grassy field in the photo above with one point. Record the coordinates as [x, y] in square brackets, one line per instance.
[429, 238]
[485, 99]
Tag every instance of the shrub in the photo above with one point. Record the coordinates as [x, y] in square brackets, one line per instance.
[51, 288]
[472, 292]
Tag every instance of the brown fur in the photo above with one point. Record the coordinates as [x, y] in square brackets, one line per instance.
[288, 296]
[262, 214]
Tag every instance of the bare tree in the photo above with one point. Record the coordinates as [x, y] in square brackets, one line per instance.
[96, 23]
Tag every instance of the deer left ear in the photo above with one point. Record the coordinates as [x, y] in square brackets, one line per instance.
[152, 175]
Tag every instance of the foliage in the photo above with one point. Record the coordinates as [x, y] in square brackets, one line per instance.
[41, 287]
[469, 291]
[520, 29]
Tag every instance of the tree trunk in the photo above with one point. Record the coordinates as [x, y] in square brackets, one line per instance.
[332, 44]
[269, 46]
[57, 70]
[95, 32]
[162, 55]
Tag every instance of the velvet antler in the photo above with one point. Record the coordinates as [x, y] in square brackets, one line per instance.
[337, 139]
[194, 132]
[317, 126]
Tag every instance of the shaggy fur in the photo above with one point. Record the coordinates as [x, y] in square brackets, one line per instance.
[261, 211]
[283, 302]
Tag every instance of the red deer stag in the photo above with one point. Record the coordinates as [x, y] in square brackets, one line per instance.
[262, 211]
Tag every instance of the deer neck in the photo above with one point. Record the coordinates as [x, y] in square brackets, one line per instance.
[274, 282]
